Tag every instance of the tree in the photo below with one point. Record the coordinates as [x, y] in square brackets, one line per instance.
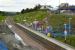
[23, 11]
[2, 13]
[37, 7]
[27, 10]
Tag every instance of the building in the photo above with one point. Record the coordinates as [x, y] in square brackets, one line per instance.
[67, 9]
[46, 7]
[63, 5]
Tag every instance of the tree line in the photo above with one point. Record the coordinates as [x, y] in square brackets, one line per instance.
[2, 13]
[37, 7]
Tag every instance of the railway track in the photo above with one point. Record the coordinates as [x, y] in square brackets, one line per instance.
[35, 40]
[47, 44]
[27, 39]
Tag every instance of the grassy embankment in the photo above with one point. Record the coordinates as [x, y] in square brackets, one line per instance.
[2, 18]
[31, 16]
[55, 20]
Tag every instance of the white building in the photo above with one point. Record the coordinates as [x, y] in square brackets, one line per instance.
[46, 7]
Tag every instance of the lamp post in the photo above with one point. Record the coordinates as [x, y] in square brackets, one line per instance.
[65, 32]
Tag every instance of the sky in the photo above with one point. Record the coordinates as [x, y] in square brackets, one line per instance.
[18, 5]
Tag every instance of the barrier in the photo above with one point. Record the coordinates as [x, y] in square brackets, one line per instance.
[3, 45]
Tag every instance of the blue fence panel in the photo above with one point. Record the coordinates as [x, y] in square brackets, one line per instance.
[3, 45]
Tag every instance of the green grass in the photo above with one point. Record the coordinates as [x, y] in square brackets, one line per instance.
[2, 18]
[60, 19]
[70, 40]
[55, 20]
[31, 16]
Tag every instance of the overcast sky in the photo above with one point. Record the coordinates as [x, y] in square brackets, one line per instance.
[18, 5]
